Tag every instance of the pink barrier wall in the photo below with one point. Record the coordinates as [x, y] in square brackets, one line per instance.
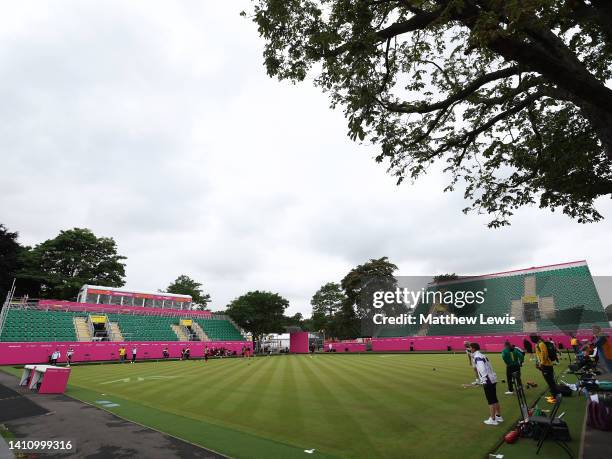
[491, 343]
[347, 347]
[298, 343]
[22, 353]
[117, 309]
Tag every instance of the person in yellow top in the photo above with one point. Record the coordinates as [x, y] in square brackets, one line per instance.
[544, 363]
[574, 343]
[122, 354]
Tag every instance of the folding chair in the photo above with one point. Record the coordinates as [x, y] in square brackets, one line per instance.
[545, 426]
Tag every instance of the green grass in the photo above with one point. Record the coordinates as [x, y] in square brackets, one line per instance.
[340, 405]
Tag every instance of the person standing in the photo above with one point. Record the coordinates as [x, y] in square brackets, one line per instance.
[603, 348]
[574, 344]
[470, 357]
[69, 355]
[488, 379]
[528, 348]
[134, 350]
[513, 358]
[122, 354]
[544, 363]
[55, 357]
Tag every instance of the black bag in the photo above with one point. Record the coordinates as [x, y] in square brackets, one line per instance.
[552, 351]
[573, 367]
[558, 430]
[564, 390]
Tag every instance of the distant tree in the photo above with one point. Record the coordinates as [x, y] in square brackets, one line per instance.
[308, 325]
[345, 324]
[326, 303]
[296, 320]
[445, 277]
[363, 280]
[259, 312]
[10, 254]
[60, 266]
[328, 299]
[359, 286]
[512, 98]
[185, 285]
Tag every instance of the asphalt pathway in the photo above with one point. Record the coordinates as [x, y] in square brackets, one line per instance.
[95, 433]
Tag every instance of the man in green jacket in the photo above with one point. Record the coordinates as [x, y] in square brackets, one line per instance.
[513, 358]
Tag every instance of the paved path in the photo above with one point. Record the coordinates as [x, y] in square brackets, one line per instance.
[98, 434]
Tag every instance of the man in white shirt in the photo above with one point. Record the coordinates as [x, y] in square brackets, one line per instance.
[55, 357]
[488, 379]
[133, 354]
[468, 351]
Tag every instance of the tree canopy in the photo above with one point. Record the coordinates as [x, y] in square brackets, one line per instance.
[363, 280]
[326, 304]
[512, 98]
[58, 268]
[259, 312]
[185, 285]
[445, 277]
[10, 253]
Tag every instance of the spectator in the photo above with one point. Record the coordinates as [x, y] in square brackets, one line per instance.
[165, 353]
[134, 350]
[528, 347]
[513, 358]
[544, 363]
[55, 357]
[603, 348]
[69, 355]
[574, 344]
[488, 379]
[122, 354]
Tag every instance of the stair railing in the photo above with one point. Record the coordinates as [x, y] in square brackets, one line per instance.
[6, 306]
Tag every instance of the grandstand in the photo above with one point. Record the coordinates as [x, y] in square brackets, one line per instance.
[558, 297]
[62, 321]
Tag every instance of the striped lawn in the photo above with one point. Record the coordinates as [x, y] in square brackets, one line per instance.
[392, 406]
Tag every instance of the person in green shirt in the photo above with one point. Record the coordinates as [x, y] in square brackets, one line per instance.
[513, 358]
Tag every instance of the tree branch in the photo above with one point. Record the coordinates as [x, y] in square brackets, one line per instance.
[462, 94]
[470, 136]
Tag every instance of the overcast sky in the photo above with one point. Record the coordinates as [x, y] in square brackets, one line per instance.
[155, 123]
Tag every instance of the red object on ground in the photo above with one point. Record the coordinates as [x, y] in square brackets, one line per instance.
[512, 436]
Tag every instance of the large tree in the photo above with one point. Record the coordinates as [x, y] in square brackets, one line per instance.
[185, 285]
[10, 252]
[326, 304]
[259, 312]
[359, 286]
[60, 266]
[512, 98]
